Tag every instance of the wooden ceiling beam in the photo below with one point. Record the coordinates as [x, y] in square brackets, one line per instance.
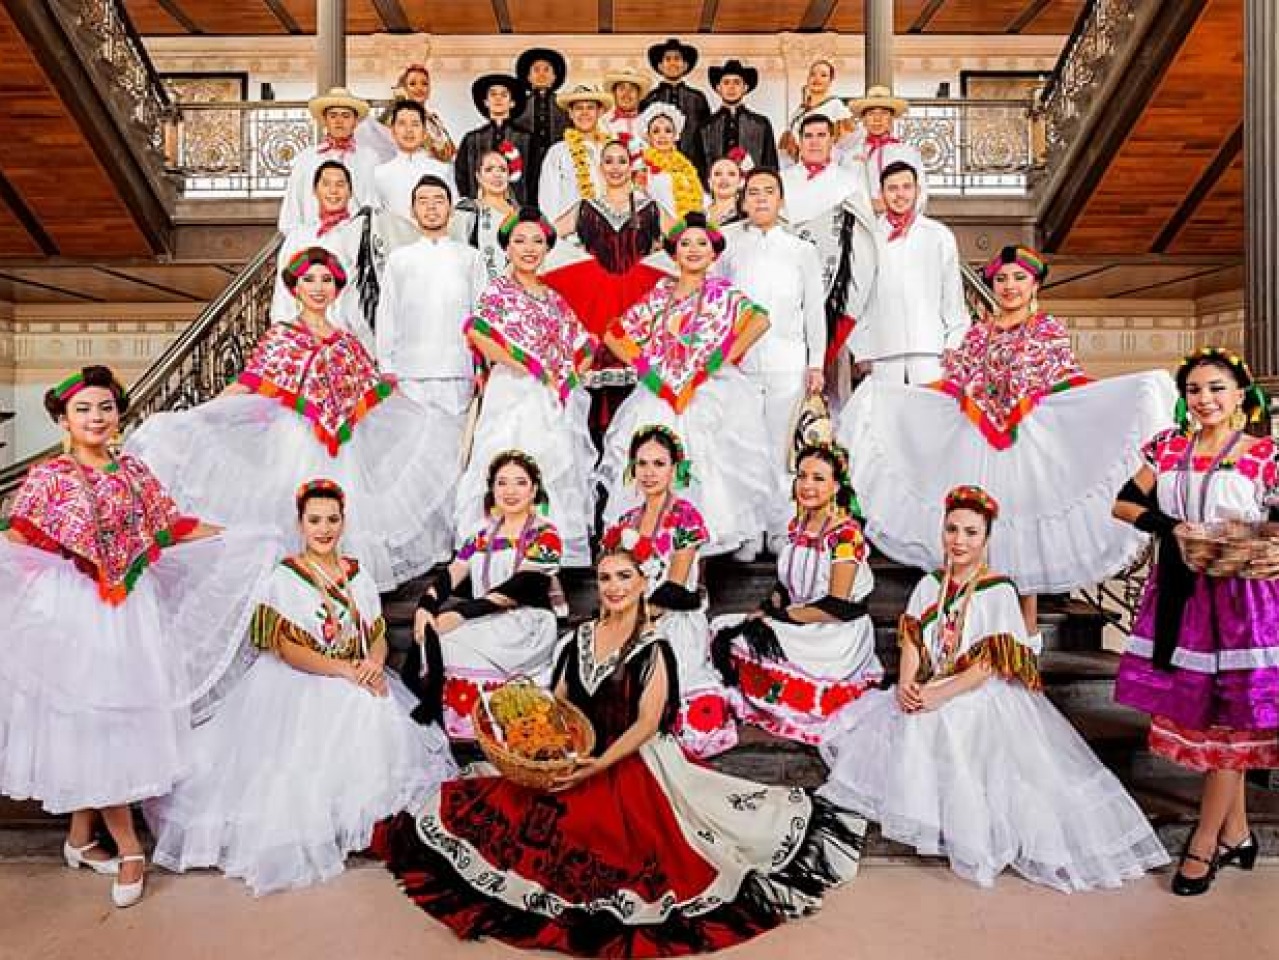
[1226, 155]
[25, 216]
[817, 15]
[1027, 16]
[502, 14]
[281, 13]
[1147, 287]
[143, 282]
[710, 10]
[50, 288]
[605, 16]
[393, 16]
[925, 15]
[177, 13]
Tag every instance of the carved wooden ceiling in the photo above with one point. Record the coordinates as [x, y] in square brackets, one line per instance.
[166, 17]
[1175, 185]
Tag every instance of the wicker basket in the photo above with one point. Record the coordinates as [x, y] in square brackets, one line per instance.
[526, 771]
[1231, 549]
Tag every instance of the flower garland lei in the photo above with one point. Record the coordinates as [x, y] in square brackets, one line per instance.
[581, 158]
[684, 181]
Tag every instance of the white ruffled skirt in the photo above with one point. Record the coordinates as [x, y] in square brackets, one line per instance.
[96, 700]
[520, 413]
[994, 778]
[724, 436]
[239, 460]
[292, 774]
[1055, 485]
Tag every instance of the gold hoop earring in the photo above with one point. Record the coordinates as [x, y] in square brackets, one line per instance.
[1034, 305]
[66, 443]
[1238, 420]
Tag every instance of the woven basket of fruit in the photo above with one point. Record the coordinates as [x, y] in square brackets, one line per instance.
[530, 735]
[1233, 548]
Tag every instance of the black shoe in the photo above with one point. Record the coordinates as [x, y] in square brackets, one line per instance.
[1184, 886]
[1242, 854]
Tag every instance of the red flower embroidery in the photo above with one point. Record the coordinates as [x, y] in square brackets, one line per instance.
[706, 712]
[799, 694]
[836, 697]
[460, 695]
[755, 680]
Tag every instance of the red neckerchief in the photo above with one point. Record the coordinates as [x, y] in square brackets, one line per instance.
[621, 114]
[340, 144]
[900, 223]
[876, 142]
[331, 219]
[815, 169]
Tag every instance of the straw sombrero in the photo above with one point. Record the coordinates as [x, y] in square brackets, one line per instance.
[879, 97]
[584, 92]
[627, 75]
[337, 97]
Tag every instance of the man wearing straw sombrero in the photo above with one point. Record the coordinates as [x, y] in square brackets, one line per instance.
[628, 88]
[674, 60]
[570, 171]
[337, 112]
[878, 112]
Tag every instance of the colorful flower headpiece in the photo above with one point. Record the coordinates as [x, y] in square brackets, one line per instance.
[324, 486]
[514, 162]
[1029, 259]
[304, 260]
[520, 216]
[682, 224]
[971, 497]
[739, 156]
[683, 465]
[660, 109]
[621, 537]
[846, 496]
[1255, 401]
[69, 387]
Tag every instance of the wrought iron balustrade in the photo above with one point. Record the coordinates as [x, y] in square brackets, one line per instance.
[1100, 37]
[245, 149]
[199, 363]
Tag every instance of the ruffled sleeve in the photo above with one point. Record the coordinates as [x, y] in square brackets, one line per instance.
[1154, 450]
[688, 527]
[544, 552]
[846, 543]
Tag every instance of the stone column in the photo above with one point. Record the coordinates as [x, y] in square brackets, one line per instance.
[1261, 192]
[330, 44]
[879, 43]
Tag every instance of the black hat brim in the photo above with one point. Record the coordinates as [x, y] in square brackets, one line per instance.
[518, 88]
[524, 62]
[749, 75]
[687, 51]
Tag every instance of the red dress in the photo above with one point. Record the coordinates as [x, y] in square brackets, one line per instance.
[652, 857]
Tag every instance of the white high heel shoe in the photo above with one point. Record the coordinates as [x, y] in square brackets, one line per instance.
[75, 858]
[127, 894]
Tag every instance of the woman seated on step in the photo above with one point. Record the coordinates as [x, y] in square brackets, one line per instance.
[808, 652]
[508, 628]
[967, 757]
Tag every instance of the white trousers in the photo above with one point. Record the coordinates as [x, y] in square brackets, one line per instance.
[914, 368]
[782, 392]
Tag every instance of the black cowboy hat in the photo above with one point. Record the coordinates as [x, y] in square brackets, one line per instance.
[480, 90]
[524, 62]
[685, 50]
[734, 68]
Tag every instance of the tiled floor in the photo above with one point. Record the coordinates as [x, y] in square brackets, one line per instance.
[893, 912]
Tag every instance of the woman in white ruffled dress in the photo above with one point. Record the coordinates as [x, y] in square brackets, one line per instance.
[808, 652]
[314, 745]
[508, 628]
[310, 403]
[119, 614]
[967, 757]
[684, 340]
[533, 399]
[665, 533]
[1016, 415]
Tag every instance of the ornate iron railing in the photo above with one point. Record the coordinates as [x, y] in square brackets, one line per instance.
[245, 149]
[200, 362]
[107, 41]
[981, 302]
[1118, 598]
[1100, 35]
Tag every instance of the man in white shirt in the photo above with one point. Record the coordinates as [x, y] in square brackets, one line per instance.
[875, 139]
[393, 181]
[916, 309]
[781, 272]
[338, 112]
[575, 160]
[429, 289]
[824, 204]
[627, 87]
